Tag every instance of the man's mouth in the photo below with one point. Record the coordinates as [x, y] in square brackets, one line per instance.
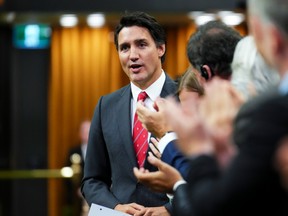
[135, 68]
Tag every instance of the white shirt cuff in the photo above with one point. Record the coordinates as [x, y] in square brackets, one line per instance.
[178, 183]
[168, 137]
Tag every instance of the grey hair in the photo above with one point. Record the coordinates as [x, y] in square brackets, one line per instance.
[271, 11]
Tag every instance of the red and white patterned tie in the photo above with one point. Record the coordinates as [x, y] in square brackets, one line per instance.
[140, 135]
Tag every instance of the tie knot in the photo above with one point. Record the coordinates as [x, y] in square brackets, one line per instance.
[142, 96]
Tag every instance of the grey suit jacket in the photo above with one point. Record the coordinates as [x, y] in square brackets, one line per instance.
[108, 172]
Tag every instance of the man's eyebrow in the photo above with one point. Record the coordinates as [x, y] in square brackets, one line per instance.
[123, 44]
[141, 40]
[135, 41]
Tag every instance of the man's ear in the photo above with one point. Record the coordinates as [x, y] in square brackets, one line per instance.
[206, 72]
[161, 50]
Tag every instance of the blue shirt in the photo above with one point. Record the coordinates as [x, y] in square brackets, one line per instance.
[283, 87]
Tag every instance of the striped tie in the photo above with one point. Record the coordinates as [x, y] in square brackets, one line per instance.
[140, 135]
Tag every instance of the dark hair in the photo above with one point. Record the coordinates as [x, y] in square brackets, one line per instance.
[190, 82]
[213, 44]
[144, 20]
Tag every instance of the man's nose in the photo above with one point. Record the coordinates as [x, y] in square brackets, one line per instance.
[134, 53]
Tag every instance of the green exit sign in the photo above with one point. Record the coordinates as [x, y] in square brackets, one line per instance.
[31, 36]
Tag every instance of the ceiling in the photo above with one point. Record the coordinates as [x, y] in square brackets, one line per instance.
[52, 18]
[167, 12]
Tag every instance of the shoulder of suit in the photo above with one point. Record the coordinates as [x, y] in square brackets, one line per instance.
[170, 84]
[118, 93]
[169, 79]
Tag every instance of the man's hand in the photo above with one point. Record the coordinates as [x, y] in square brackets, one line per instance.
[153, 121]
[162, 180]
[154, 211]
[131, 208]
[219, 107]
[189, 127]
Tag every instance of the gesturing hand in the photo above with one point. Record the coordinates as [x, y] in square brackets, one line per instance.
[162, 180]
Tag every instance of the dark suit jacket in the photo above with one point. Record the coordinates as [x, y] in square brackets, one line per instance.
[110, 158]
[251, 185]
[172, 156]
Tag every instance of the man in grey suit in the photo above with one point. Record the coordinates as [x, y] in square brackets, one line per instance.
[108, 172]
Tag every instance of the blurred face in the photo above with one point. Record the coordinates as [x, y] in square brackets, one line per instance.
[139, 56]
[188, 99]
[263, 41]
[84, 131]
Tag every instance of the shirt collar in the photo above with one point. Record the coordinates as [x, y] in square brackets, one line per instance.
[153, 91]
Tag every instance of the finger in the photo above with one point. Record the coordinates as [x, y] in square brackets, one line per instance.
[155, 161]
[137, 172]
[137, 206]
[140, 108]
[143, 176]
[141, 212]
[155, 106]
[158, 103]
[155, 150]
[154, 141]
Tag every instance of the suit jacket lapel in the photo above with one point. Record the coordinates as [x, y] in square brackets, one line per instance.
[125, 130]
[169, 87]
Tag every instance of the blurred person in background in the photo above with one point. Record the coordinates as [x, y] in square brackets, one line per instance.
[211, 48]
[210, 51]
[252, 183]
[75, 159]
[251, 75]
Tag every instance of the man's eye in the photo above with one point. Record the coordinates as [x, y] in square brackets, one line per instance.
[142, 44]
[124, 48]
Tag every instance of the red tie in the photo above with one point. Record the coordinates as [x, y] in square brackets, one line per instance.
[140, 135]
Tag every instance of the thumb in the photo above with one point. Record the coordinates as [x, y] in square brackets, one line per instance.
[155, 161]
[140, 104]
[159, 103]
[140, 108]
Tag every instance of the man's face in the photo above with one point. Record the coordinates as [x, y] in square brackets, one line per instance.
[84, 131]
[139, 56]
[263, 41]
